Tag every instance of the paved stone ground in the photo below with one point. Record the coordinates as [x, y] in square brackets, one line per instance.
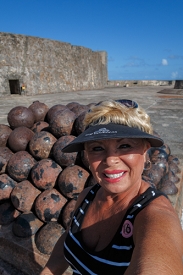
[163, 103]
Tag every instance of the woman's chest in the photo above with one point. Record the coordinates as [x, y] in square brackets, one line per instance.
[97, 232]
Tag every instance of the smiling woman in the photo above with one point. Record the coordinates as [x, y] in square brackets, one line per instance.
[121, 225]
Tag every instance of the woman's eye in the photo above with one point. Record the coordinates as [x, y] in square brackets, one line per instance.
[97, 148]
[125, 146]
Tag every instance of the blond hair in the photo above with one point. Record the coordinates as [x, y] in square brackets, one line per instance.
[110, 111]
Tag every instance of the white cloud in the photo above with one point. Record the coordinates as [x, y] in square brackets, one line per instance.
[164, 62]
[174, 75]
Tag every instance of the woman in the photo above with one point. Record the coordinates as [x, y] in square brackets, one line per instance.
[121, 225]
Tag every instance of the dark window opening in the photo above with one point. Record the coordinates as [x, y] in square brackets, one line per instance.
[14, 87]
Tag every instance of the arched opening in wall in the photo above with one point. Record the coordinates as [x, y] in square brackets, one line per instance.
[15, 86]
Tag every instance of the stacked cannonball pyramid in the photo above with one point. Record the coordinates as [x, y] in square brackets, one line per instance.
[39, 184]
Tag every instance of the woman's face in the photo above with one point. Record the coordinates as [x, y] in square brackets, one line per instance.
[117, 164]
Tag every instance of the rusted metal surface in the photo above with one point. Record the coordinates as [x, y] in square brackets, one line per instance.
[64, 159]
[49, 204]
[67, 213]
[78, 124]
[7, 184]
[19, 138]
[23, 195]
[20, 116]
[41, 144]
[53, 110]
[5, 131]
[62, 123]
[44, 173]
[5, 155]
[39, 110]
[20, 165]
[40, 126]
[8, 213]
[26, 225]
[72, 181]
[47, 237]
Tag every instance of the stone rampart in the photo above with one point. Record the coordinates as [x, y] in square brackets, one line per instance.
[131, 83]
[32, 65]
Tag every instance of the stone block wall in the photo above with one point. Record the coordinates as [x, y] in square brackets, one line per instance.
[47, 66]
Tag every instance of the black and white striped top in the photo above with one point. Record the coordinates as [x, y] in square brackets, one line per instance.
[115, 258]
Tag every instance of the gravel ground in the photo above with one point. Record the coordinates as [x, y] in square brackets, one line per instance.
[7, 269]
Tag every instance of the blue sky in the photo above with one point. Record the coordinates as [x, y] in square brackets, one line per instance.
[143, 39]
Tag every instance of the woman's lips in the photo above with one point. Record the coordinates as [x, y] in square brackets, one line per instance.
[113, 176]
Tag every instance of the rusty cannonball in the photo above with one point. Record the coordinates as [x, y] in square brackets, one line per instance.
[167, 186]
[166, 148]
[62, 123]
[78, 124]
[72, 104]
[149, 180]
[155, 173]
[72, 181]
[53, 110]
[173, 177]
[23, 195]
[8, 213]
[158, 155]
[5, 131]
[49, 204]
[40, 126]
[39, 110]
[173, 159]
[174, 167]
[19, 138]
[79, 109]
[40, 146]
[64, 159]
[47, 236]
[6, 186]
[5, 155]
[26, 225]
[67, 213]
[20, 165]
[44, 173]
[84, 159]
[20, 116]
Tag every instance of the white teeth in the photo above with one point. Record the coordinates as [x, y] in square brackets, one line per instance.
[114, 176]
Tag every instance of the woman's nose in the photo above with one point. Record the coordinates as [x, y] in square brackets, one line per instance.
[111, 159]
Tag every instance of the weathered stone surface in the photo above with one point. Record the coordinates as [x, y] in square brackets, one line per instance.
[47, 66]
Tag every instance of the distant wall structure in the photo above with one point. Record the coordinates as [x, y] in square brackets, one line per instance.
[31, 65]
[131, 83]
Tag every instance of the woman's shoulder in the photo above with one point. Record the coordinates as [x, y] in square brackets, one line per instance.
[158, 234]
[157, 216]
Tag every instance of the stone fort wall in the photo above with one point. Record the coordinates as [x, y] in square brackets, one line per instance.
[47, 66]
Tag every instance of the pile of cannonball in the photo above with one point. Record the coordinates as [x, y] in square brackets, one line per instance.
[39, 184]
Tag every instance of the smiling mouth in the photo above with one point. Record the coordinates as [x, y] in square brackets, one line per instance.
[114, 176]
